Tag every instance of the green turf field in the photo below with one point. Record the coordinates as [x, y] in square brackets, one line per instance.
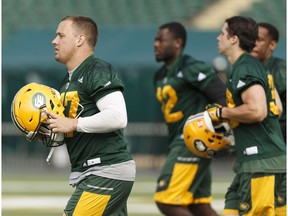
[46, 194]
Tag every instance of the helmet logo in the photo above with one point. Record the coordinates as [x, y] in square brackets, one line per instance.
[38, 100]
[200, 123]
[199, 145]
[244, 206]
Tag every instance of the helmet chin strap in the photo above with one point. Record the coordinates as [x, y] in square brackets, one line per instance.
[50, 155]
[31, 135]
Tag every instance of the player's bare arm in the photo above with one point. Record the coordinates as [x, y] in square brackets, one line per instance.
[253, 109]
[61, 124]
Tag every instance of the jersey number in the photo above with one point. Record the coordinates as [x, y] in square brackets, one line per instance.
[167, 96]
[272, 105]
[72, 98]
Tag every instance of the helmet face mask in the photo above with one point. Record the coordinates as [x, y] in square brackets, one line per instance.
[28, 112]
[206, 140]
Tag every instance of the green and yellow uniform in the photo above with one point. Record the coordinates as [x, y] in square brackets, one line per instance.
[277, 67]
[96, 158]
[260, 148]
[184, 89]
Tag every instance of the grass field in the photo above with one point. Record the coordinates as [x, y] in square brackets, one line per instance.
[46, 193]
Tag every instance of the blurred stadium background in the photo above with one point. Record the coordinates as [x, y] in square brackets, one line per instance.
[127, 30]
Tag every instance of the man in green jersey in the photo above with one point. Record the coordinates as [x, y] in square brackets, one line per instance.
[102, 168]
[253, 107]
[183, 87]
[268, 36]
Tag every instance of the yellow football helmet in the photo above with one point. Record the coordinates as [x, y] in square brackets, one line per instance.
[206, 140]
[29, 116]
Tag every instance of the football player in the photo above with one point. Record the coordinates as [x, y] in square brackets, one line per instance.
[184, 86]
[253, 108]
[266, 43]
[102, 168]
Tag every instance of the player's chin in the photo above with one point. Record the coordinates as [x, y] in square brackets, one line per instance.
[57, 58]
[158, 58]
[220, 51]
[254, 54]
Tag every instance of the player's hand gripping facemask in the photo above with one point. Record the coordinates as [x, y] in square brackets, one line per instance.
[28, 112]
[206, 140]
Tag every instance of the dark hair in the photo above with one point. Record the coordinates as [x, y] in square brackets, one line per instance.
[246, 29]
[177, 29]
[272, 30]
[86, 26]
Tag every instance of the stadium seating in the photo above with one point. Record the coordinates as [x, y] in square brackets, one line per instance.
[270, 11]
[109, 13]
[41, 14]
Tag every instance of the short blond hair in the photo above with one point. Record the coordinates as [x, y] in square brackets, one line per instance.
[85, 25]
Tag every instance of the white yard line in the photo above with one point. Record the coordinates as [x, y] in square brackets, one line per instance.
[62, 186]
[136, 203]
[43, 202]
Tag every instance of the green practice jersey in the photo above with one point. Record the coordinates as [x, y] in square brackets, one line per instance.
[277, 67]
[258, 140]
[181, 89]
[92, 80]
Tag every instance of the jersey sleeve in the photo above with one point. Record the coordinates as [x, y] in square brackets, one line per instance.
[245, 76]
[102, 80]
[198, 74]
[204, 78]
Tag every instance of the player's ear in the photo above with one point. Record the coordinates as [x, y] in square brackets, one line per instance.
[178, 43]
[234, 39]
[273, 45]
[81, 40]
